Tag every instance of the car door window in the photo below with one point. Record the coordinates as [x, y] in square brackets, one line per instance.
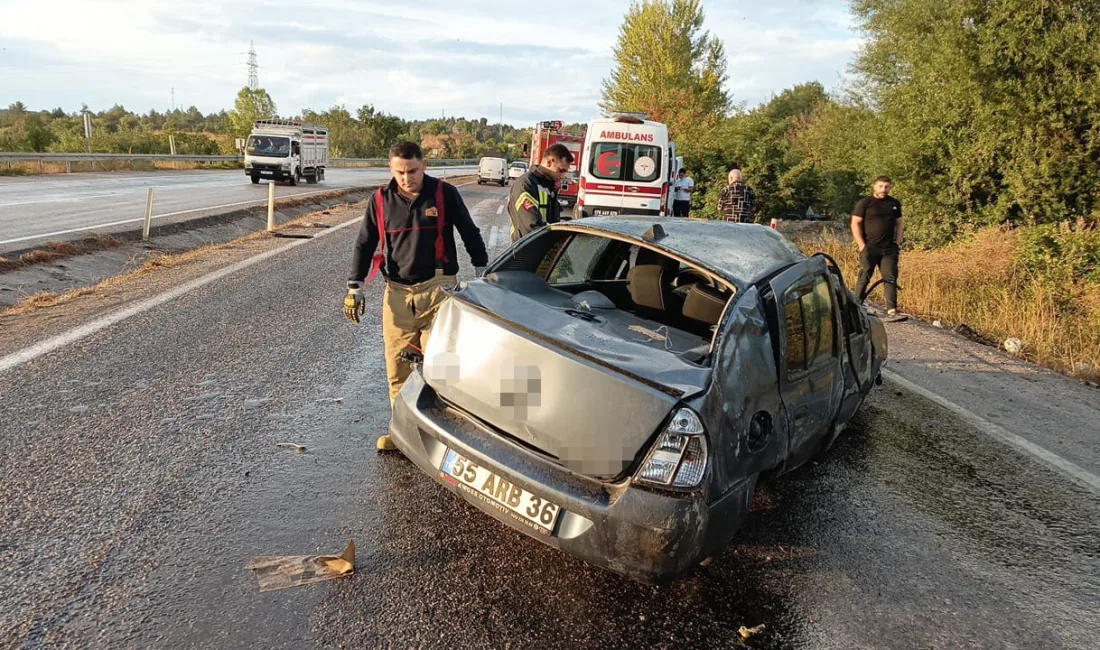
[808, 321]
[577, 261]
[795, 352]
[811, 318]
[818, 317]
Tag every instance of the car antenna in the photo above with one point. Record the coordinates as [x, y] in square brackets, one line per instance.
[655, 232]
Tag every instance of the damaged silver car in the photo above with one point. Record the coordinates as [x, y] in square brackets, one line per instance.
[614, 387]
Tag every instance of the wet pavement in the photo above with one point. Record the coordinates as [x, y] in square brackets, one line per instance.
[141, 473]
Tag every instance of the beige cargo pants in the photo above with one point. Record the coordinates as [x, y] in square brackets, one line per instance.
[407, 313]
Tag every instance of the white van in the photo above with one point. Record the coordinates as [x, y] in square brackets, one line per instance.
[492, 170]
[627, 168]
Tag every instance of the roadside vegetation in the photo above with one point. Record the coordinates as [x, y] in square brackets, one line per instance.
[364, 133]
[987, 117]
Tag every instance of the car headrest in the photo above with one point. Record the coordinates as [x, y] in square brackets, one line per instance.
[646, 288]
[704, 304]
[647, 257]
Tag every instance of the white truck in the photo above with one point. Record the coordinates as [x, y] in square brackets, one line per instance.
[286, 150]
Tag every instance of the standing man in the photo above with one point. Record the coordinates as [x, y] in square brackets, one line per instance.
[738, 200]
[533, 199]
[877, 227]
[681, 198]
[412, 220]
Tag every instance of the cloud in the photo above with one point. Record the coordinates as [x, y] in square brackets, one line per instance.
[541, 60]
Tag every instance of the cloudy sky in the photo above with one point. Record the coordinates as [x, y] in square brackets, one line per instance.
[540, 59]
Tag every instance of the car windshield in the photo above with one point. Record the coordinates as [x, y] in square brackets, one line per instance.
[263, 145]
[519, 166]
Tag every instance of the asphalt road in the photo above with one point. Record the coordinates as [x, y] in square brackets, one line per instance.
[141, 473]
[38, 208]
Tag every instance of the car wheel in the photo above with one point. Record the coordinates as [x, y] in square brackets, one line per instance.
[311, 178]
[296, 178]
[255, 179]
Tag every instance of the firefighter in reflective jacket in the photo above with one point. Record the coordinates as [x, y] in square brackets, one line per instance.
[533, 200]
[411, 223]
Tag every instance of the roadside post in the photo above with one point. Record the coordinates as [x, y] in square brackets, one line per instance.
[148, 216]
[271, 207]
[775, 224]
[88, 129]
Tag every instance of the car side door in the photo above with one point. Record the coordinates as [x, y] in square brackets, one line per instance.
[811, 379]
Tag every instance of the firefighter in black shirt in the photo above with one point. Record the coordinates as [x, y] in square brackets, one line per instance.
[877, 227]
[417, 256]
[533, 199]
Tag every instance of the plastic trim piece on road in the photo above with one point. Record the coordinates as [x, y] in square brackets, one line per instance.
[1052, 460]
[49, 345]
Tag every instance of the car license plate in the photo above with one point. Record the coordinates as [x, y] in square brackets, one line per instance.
[521, 505]
[605, 213]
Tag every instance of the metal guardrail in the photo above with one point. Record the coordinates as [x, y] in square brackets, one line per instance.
[11, 157]
[101, 157]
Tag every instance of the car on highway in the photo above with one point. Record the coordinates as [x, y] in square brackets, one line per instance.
[492, 170]
[615, 387]
[516, 169]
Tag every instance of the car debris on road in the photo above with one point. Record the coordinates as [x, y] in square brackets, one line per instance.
[283, 572]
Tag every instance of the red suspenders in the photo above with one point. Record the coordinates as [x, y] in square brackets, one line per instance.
[380, 216]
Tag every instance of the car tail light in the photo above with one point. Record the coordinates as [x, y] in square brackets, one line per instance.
[664, 197]
[679, 457]
[580, 192]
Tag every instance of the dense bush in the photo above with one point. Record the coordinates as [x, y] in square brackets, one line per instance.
[1061, 254]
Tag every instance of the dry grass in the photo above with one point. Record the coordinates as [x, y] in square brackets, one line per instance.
[158, 262]
[56, 250]
[39, 256]
[52, 299]
[975, 283]
[63, 248]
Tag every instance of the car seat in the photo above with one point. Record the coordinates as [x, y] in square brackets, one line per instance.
[703, 307]
[650, 285]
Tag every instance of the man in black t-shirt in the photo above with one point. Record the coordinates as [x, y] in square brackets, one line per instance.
[877, 228]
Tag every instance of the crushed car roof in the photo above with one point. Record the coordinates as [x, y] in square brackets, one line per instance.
[741, 252]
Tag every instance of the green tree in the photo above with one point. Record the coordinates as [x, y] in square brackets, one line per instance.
[987, 111]
[251, 105]
[667, 66]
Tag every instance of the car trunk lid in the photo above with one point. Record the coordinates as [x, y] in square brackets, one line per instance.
[581, 391]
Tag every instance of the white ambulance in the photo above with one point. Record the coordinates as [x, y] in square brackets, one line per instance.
[627, 167]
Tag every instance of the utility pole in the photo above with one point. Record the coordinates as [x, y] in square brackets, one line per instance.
[253, 67]
[502, 121]
[173, 99]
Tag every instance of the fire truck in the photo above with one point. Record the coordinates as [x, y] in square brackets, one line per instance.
[549, 133]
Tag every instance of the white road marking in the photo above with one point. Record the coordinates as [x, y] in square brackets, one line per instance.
[1021, 444]
[494, 237]
[500, 209]
[159, 216]
[61, 340]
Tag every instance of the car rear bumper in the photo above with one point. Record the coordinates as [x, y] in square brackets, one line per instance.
[645, 535]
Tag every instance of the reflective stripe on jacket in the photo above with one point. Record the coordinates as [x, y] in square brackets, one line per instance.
[532, 202]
